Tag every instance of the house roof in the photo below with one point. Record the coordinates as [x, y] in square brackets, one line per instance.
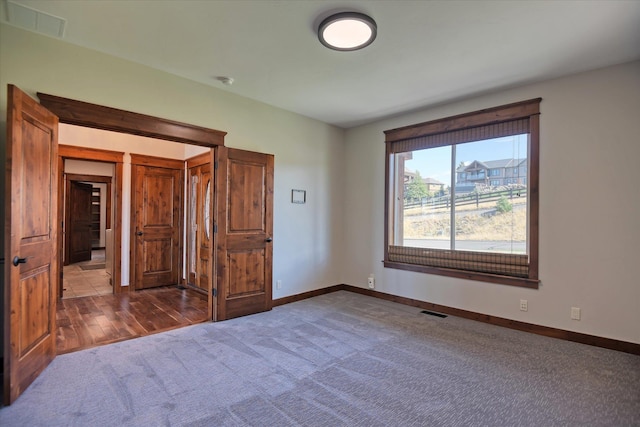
[502, 163]
[492, 164]
[432, 181]
[427, 180]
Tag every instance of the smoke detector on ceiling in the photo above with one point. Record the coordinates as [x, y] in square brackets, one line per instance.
[228, 81]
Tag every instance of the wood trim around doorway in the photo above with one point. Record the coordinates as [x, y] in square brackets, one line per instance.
[81, 113]
[67, 108]
[105, 156]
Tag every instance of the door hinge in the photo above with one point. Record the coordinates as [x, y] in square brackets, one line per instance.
[215, 228]
[215, 292]
[215, 165]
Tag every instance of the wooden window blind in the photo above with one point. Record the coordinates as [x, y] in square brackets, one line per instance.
[508, 120]
[495, 130]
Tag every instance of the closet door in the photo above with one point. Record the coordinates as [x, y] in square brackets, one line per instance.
[79, 222]
[156, 221]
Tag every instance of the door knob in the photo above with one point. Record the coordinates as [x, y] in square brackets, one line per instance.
[139, 233]
[17, 260]
[268, 239]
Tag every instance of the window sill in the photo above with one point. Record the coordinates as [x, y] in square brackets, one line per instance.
[469, 275]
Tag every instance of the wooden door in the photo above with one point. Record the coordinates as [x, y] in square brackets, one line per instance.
[200, 222]
[31, 276]
[156, 221]
[205, 231]
[79, 223]
[244, 192]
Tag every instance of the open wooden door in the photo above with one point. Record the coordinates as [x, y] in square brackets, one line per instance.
[79, 222]
[31, 276]
[200, 229]
[244, 192]
[199, 225]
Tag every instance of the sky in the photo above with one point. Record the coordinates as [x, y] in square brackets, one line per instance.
[436, 162]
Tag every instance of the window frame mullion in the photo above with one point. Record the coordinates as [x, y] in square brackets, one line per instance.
[452, 215]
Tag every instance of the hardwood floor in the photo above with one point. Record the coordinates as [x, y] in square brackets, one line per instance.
[96, 320]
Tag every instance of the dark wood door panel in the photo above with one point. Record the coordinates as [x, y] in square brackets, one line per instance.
[158, 261]
[156, 223]
[158, 193]
[200, 223]
[79, 222]
[245, 306]
[205, 229]
[246, 273]
[204, 277]
[34, 182]
[34, 312]
[246, 209]
[31, 241]
[244, 249]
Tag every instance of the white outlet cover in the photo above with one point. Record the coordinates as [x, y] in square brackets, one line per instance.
[524, 305]
[575, 313]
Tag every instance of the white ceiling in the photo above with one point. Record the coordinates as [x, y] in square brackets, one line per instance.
[426, 52]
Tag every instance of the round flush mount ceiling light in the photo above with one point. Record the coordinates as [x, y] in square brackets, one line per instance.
[347, 31]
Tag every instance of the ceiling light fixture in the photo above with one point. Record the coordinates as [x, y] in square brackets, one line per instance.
[347, 31]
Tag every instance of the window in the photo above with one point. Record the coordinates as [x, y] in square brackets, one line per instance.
[476, 229]
[494, 172]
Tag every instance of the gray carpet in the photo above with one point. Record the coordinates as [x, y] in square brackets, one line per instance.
[338, 359]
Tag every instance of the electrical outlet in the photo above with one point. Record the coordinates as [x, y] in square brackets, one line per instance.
[371, 281]
[575, 313]
[524, 305]
[279, 284]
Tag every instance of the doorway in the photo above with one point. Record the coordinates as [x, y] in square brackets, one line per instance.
[94, 268]
[30, 344]
[243, 184]
[88, 236]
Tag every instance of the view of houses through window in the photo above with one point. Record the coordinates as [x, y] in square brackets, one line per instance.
[470, 196]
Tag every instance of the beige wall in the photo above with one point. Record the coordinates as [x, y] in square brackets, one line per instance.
[589, 208]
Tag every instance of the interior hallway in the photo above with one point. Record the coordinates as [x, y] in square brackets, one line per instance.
[87, 278]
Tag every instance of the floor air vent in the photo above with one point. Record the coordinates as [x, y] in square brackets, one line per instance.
[432, 313]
